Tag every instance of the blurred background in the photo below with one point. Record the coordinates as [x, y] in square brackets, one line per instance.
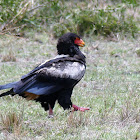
[108, 18]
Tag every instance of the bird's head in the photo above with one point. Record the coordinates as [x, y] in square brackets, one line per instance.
[69, 44]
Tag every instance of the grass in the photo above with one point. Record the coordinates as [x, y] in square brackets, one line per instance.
[110, 87]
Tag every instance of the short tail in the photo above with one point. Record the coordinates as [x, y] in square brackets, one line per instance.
[10, 92]
[10, 85]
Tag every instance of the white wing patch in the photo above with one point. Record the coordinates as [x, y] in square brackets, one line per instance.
[58, 56]
[67, 69]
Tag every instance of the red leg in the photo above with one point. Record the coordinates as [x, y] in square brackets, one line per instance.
[50, 112]
[79, 108]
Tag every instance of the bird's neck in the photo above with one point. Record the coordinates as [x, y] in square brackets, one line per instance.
[79, 55]
[72, 51]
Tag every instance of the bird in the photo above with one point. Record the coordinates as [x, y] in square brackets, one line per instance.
[54, 80]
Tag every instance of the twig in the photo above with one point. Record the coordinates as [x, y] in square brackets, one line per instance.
[20, 12]
[30, 10]
[13, 28]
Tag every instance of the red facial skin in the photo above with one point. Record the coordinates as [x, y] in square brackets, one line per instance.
[79, 42]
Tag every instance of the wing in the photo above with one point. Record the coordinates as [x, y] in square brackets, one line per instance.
[47, 63]
[51, 77]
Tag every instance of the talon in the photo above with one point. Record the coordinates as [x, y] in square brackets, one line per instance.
[83, 109]
[80, 108]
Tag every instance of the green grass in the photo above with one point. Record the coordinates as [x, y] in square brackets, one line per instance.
[110, 87]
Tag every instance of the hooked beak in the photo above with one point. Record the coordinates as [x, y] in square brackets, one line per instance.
[79, 42]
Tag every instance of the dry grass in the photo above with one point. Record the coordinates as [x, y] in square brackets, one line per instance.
[138, 52]
[77, 119]
[110, 88]
[12, 123]
[9, 57]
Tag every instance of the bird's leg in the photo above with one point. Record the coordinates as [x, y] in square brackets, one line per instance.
[76, 108]
[50, 112]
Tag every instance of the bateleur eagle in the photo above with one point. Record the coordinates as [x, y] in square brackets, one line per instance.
[55, 79]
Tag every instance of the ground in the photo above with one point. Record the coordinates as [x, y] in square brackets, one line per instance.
[110, 87]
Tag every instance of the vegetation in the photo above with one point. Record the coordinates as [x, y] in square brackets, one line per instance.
[110, 87]
[59, 17]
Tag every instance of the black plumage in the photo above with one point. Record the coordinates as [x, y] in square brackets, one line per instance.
[55, 79]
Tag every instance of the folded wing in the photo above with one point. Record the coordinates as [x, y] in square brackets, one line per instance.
[51, 77]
